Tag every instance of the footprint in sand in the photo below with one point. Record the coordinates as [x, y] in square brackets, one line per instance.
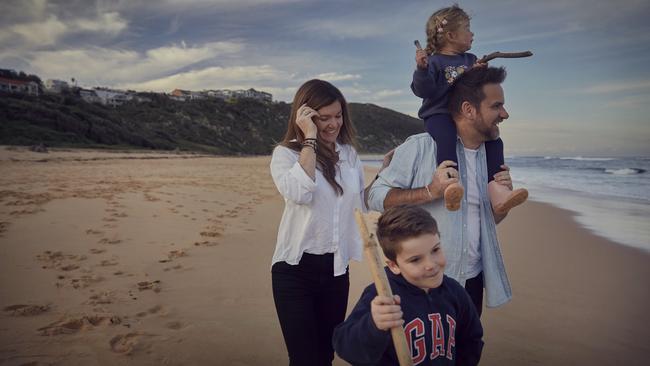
[206, 243]
[114, 240]
[26, 310]
[177, 254]
[97, 250]
[149, 285]
[85, 281]
[176, 267]
[105, 297]
[108, 262]
[150, 197]
[211, 234]
[152, 311]
[128, 343]
[174, 325]
[74, 325]
[69, 267]
[3, 226]
[94, 232]
[56, 260]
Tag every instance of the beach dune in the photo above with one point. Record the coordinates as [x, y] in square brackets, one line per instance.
[164, 259]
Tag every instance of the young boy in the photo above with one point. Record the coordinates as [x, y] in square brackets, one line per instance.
[440, 322]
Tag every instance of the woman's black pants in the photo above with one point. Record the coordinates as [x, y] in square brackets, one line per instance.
[310, 302]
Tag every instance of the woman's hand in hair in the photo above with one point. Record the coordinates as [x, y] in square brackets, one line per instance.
[305, 122]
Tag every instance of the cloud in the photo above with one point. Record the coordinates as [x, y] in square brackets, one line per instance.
[239, 3]
[364, 94]
[633, 101]
[334, 76]
[387, 93]
[111, 23]
[238, 77]
[532, 36]
[618, 87]
[111, 67]
[346, 29]
[48, 32]
[37, 33]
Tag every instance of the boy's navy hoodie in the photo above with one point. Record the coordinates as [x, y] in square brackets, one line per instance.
[441, 327]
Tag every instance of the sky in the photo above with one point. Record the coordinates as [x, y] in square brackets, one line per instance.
[585, 91]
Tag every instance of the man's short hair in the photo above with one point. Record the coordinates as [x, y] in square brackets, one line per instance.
[469, 86]
[401, 223]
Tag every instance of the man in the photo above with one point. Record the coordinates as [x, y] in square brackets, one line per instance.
[469, 235]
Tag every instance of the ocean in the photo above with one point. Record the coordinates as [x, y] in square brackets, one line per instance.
[609, 195]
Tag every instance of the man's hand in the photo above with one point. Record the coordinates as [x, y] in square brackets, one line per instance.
[386, 312]
[444, 175]
[503, 177]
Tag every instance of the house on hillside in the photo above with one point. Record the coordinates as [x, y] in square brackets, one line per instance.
[254, 94]
[56, 86]
[216, 94]
[112, 97]
[183, 95]
[18, 86]
[89, 96]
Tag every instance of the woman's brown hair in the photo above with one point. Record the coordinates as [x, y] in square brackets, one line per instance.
[318, 94]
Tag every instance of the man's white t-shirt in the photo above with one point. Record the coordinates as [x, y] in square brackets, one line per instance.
[474, 266]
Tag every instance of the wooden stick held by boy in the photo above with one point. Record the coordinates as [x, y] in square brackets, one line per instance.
[371, 250]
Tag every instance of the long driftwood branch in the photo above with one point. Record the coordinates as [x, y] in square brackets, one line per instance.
[494, 55]
[371, 249]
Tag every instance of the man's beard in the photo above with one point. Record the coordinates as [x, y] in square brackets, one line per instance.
[489, 131]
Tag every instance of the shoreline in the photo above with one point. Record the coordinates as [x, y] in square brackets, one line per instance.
[154, 261]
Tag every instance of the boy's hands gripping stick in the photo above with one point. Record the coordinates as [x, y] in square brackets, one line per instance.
[384, 292]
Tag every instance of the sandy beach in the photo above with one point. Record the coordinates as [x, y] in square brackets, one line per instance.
[122, 258]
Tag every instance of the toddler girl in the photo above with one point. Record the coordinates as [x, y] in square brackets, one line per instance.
[445, 58]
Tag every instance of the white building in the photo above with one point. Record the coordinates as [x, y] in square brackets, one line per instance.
[89, 96]
[252, 93]
[18, 86]
[112, 97]
[56, 86]
[183, 95]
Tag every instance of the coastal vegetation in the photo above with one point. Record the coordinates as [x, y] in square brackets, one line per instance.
[212, 125]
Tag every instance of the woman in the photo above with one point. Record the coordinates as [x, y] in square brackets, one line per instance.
[319, 174]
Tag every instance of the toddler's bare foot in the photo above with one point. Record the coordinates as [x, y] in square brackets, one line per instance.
[453, 196]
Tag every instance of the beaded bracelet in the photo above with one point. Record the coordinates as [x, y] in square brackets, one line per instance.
[311, 143]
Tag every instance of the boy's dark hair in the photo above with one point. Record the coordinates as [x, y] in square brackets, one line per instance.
[400, 223]
[469, 86]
